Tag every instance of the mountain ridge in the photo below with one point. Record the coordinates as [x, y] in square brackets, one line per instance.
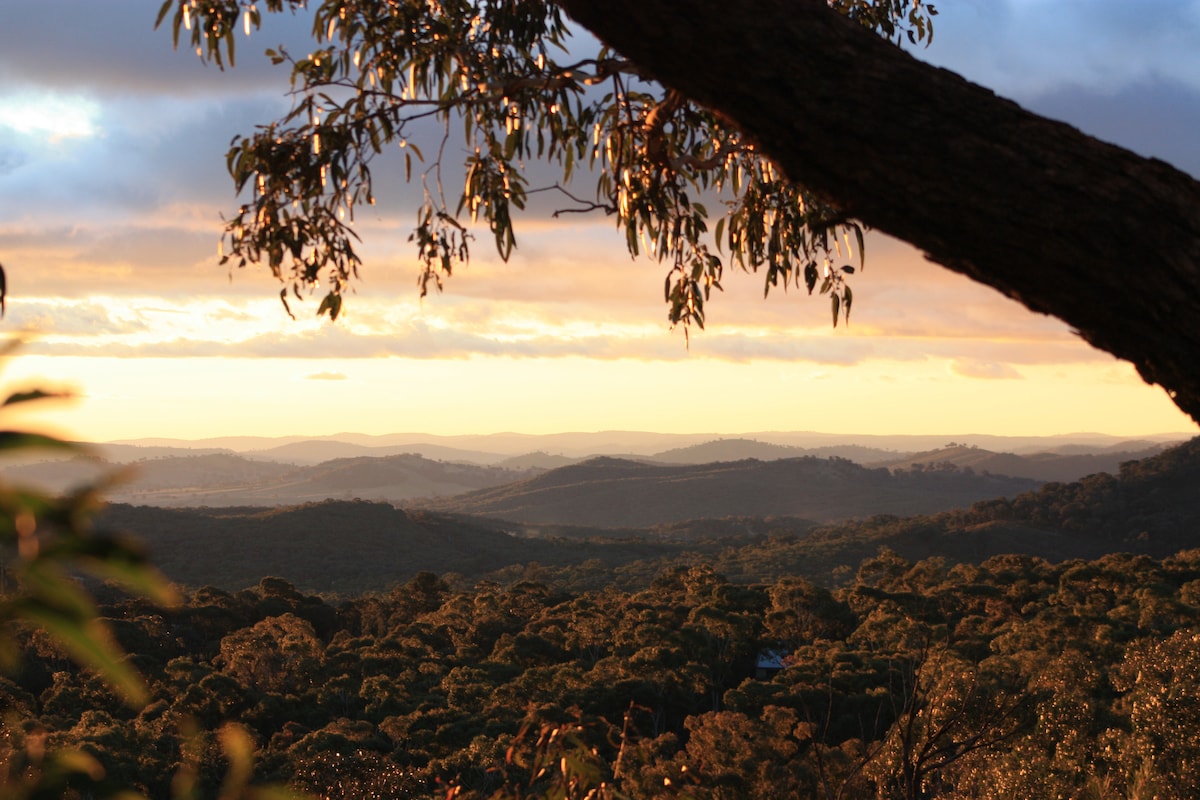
[607, 492]
[1151, 507]
[223, 477]
[583, 444]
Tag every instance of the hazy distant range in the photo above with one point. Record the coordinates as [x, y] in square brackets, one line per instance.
[425, 470]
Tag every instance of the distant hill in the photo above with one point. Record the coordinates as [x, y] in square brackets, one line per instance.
[393, 478]
[193, 474]
[219, 477]
[1150, 507]
[607, 492]
[1123, 446]
[741, 449]
[537, 461]
[223, 479]
[316, 451]
[1038, 466]
[124, 454]
[727, 450]
[491, 448]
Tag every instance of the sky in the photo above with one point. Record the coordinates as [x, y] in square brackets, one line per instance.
[112, 186]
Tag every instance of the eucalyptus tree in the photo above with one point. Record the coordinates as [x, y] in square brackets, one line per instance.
[803, 120]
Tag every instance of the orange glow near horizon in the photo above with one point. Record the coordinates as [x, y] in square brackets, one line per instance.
[569, 337]
[201, 398]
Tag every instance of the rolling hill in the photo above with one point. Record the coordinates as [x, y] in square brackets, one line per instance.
[1150, 507]
[608, 492]
[174, 477]
[1045, 466]
[344, 546]
[225, 479]
[740, 449]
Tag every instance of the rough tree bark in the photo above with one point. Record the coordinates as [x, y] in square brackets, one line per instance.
[1070, 226]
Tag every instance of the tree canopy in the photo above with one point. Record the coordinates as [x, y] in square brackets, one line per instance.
[1011, 677]
[801, 119]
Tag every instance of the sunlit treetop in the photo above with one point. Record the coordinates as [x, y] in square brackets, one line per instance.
[512, 83]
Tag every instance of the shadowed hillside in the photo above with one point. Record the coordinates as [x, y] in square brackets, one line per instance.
[740, 449]
[177, 477]
[151, 479]
[1038, 466]
[315, 451]
[1151, 507]
[606, 492]
[224, 479]
[392, 478]
[345, 547]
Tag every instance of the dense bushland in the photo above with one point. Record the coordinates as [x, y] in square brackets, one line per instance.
[1015, 677]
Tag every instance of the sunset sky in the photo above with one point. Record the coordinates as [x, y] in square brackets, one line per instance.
[112, 182]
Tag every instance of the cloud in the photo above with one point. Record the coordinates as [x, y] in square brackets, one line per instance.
[51, 117]
[133, 167]
[1026, 48]
[87, 319]
[1153, 117]
[989, 370]
[112, 49]
[326, 376]
[133, 256]
[142, 329]
[135, 208]
[121, 225]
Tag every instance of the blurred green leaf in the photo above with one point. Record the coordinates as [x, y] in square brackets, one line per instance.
[77, 761]
[19, 440]
[141, 579]
[33, 394]
[89, 643]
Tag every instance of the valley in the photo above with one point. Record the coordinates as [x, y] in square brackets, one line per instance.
[411, 469]
[577, 528]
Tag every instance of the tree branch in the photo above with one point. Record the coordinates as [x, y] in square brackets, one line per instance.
[1093, 234]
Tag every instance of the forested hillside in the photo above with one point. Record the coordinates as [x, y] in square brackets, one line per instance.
[1038, 466]
[1151, 507]
[178, 477]
[609, 492]
[349, 547]
[686, 660]
[1013, 678]
[225, 479]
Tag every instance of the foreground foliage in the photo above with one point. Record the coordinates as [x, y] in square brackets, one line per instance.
[47, 543]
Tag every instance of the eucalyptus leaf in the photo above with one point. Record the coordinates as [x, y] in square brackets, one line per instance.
[521, 83]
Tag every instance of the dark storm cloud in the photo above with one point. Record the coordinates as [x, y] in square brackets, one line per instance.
[148, 154]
